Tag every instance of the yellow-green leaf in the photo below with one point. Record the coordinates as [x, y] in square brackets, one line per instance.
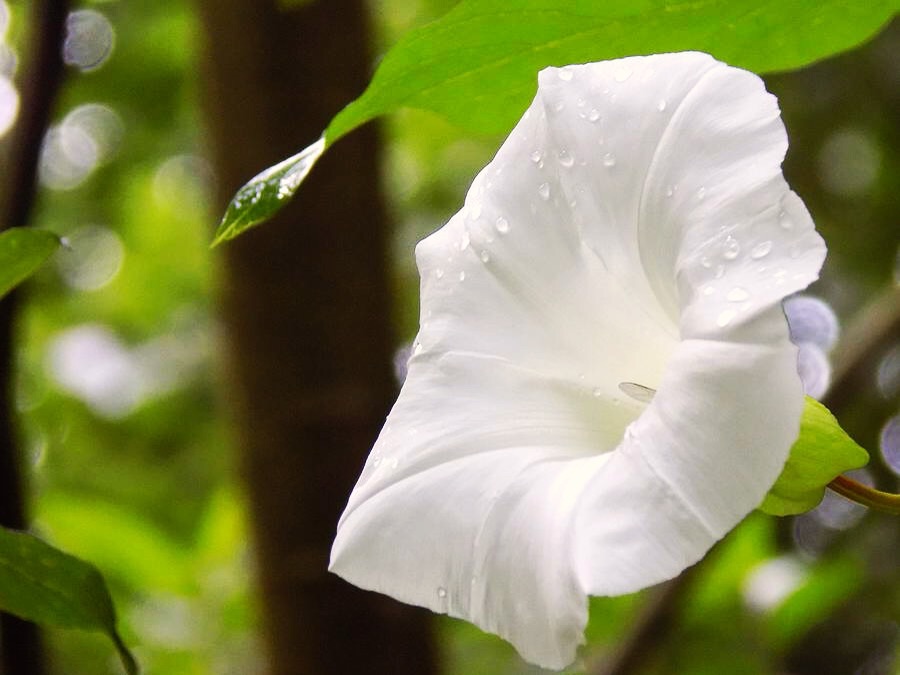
[822, 452]
[22, 251]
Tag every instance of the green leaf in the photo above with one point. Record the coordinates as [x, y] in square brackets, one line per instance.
[42, 584]
[822, 452]
[22, 251]
[267, 192]
[477, 65]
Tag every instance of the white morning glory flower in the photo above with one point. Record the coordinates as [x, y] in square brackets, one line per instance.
[633, 233]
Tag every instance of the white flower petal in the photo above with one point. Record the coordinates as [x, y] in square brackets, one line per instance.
[619, 236]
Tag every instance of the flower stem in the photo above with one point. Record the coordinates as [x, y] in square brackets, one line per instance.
[855, 491]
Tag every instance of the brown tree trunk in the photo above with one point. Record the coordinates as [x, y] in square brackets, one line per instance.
[307, 316]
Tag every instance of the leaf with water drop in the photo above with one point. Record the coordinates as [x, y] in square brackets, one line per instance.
[267, 192]
[477, 65]
[822, 452]
[22, 252]
[41, 583]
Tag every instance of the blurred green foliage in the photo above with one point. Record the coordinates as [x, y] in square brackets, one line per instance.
[131, 463]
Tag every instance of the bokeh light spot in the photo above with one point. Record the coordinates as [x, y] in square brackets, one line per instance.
[91, 259]
[890, 443]
[849, 162]
[811, 320]
[89, 39]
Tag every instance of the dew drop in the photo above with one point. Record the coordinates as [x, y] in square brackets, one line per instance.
[670, 191]
[720, 271]
[544, 191]
[442, 592]
[706, 262]
[737, 294]
[761, 250]
[475, 211]
[661, 105]
[462, 276]
[464, 241]
[622, 73]
[701, 193]
[593, 115]
[565, 74]
[725, 317]
[565, 159]
[785, 221]
[536, 156]
[609, 159]
[708, 290]
[502, 225]
[731, 248]
[485, 257]
[597, 392]
[439, 273]
[559, 106]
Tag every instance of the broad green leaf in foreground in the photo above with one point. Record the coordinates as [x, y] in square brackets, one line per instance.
[822, 452]
[22, 251]
[477, 66]
[42, 584]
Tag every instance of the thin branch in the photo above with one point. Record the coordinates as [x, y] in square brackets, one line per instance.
[20, 644]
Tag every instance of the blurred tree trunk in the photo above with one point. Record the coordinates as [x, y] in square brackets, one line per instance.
[307, 316]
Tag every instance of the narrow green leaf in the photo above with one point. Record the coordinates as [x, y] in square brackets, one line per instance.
[42, 584]
[477, 65]
[822, 452]
[267, 192]
[22, 251]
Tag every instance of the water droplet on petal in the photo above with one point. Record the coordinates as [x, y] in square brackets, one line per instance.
[670, 191]
[701, 193]
[706, 262]
[609, 159]
[536, 156]
[502, 225]
[544, 191]
[785, 221]
[593, 115]
[464, 241]
[731, 248]
[475, 211]
[720, 271]
[565, 159]
[737, 294]
[442, 592]
[559, 106]
[565, 74]
[622, 73]
[661, 105]
[725, 317]
[462, 276]
[485, 257]
[597, 392]
[439, 273]
[761, 250]
[708, 290]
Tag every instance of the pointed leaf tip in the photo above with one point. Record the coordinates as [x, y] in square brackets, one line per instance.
[267, 192]
[822, 452]
[41, 583]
